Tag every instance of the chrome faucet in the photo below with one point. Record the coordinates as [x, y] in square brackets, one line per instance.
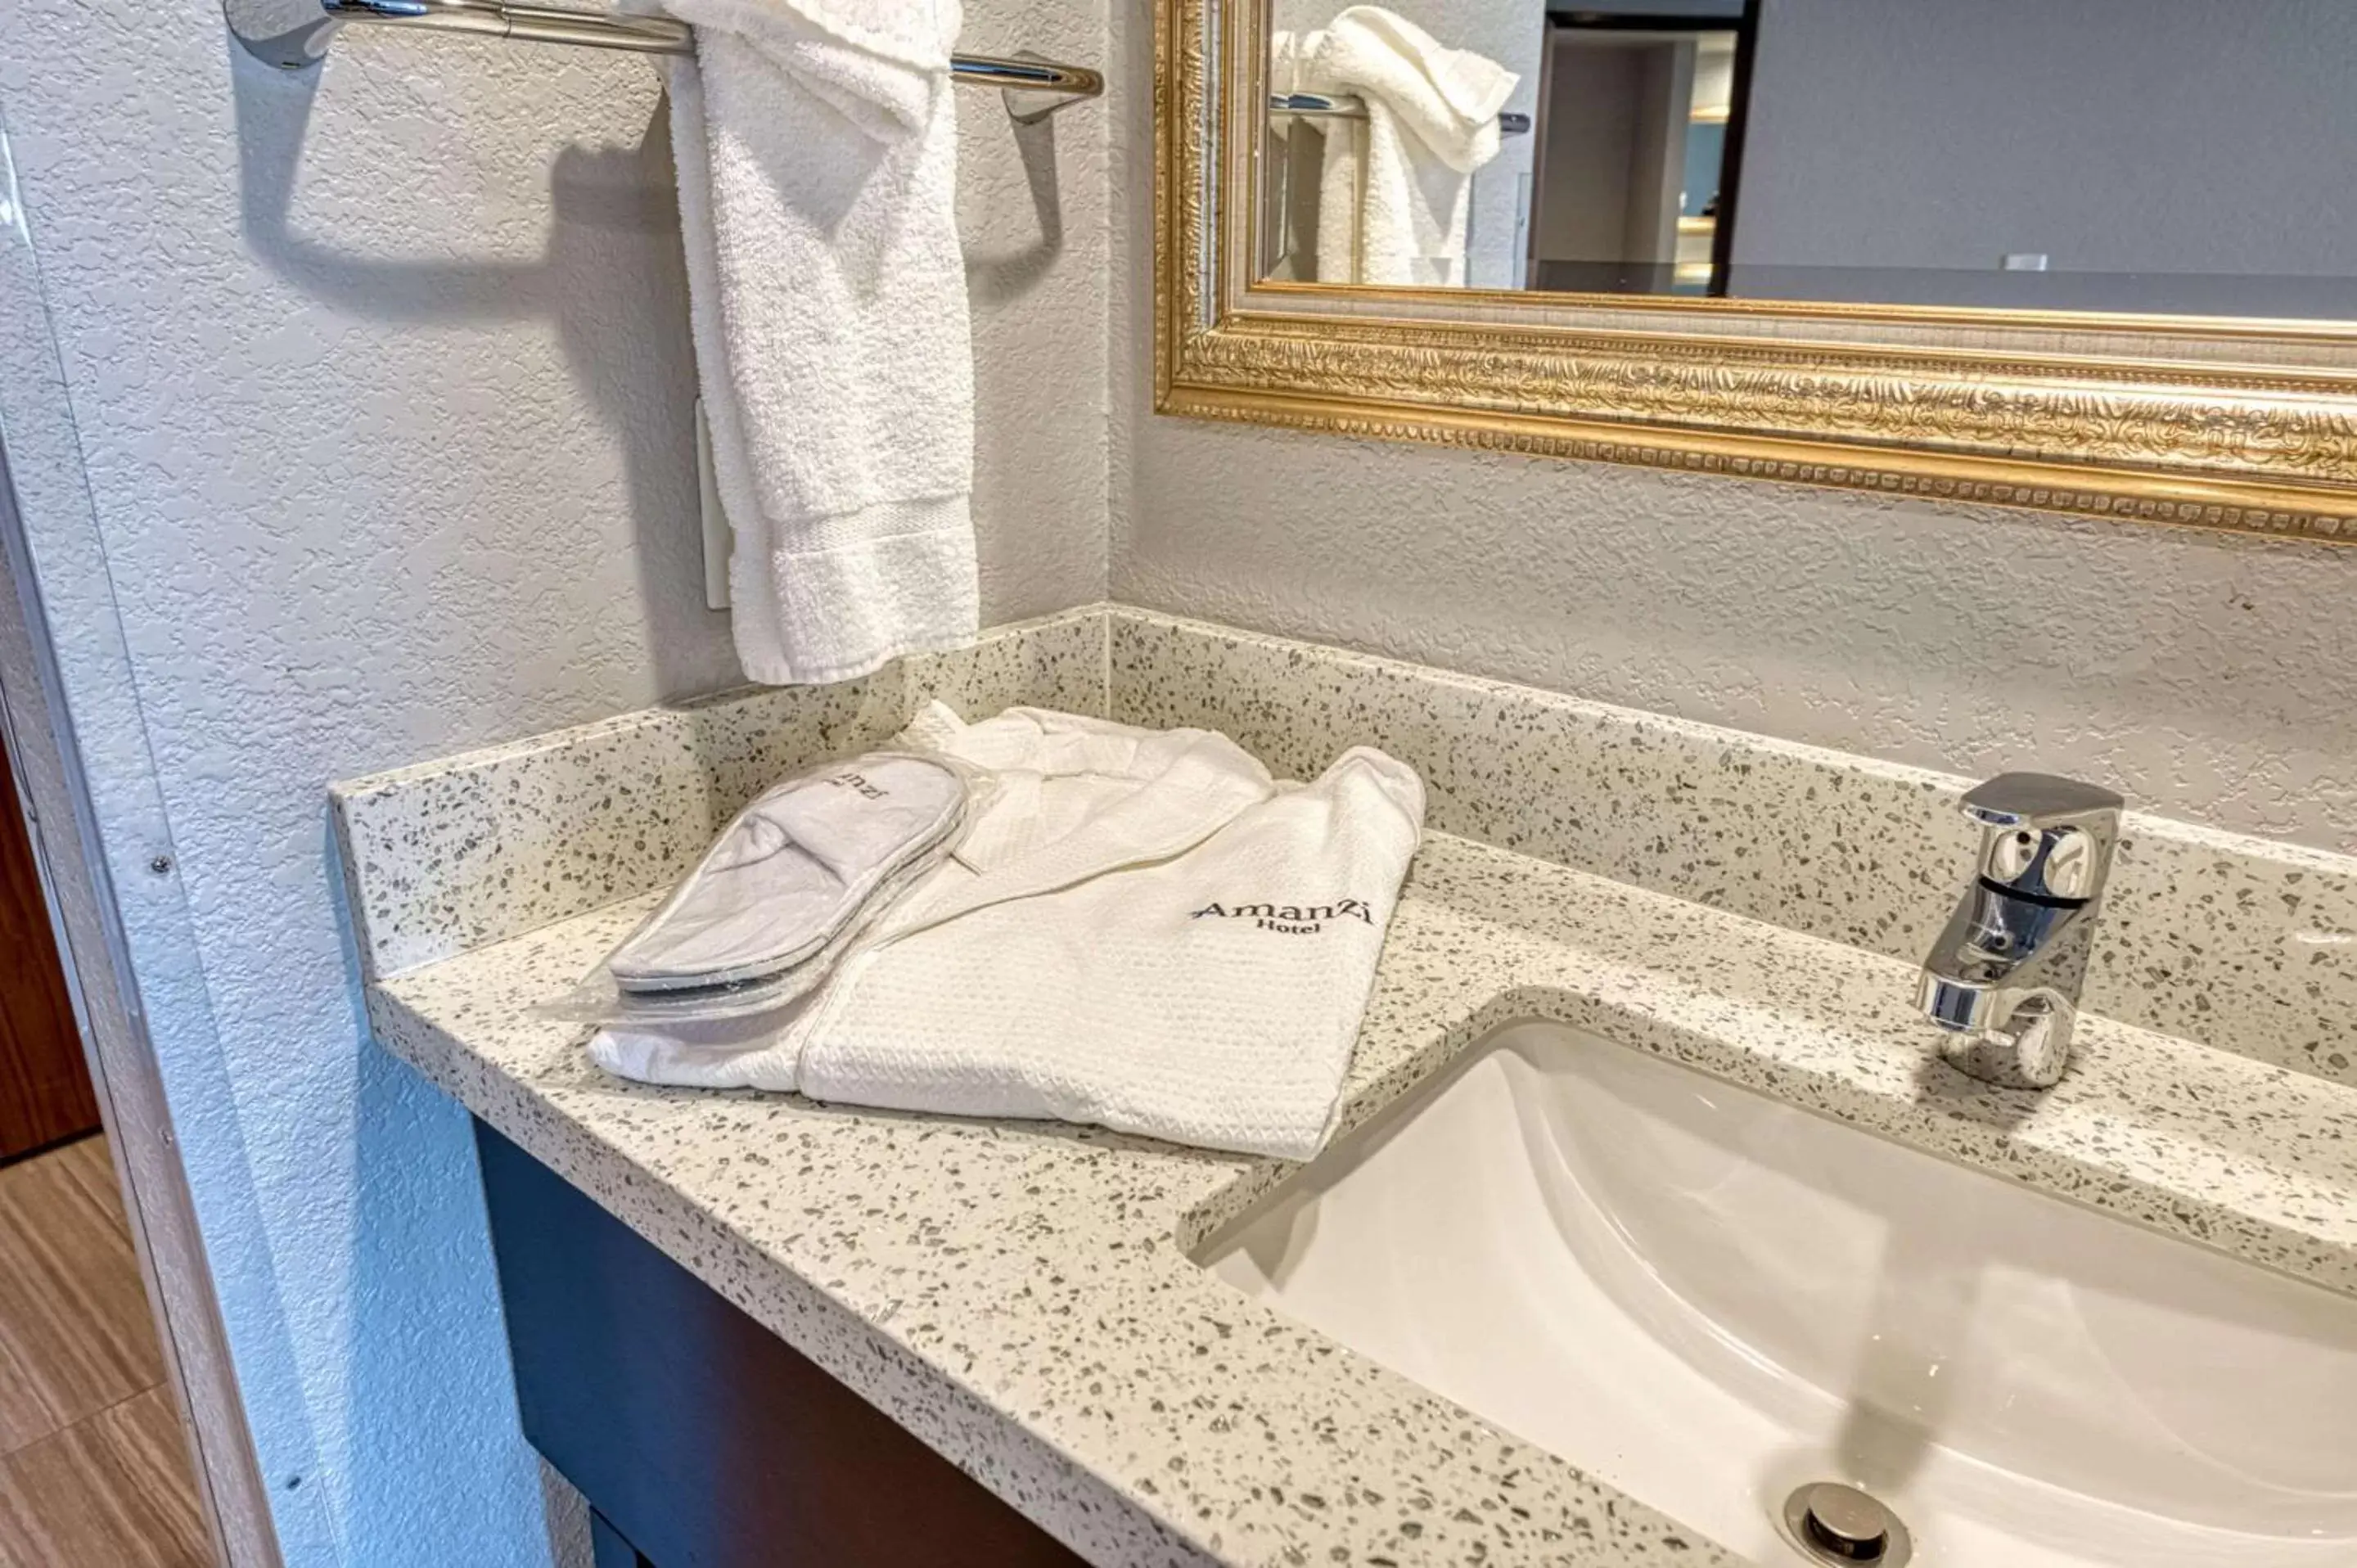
[2003, 977]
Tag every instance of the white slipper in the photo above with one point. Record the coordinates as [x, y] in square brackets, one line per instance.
[795, 871]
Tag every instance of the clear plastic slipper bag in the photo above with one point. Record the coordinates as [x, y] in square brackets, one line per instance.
[793, 882]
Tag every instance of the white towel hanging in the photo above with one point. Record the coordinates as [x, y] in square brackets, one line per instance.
[816, 148]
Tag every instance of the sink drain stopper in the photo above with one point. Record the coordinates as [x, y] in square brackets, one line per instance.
[1833, 1523]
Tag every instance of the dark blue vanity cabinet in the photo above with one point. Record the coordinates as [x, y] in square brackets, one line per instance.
[701, 1439]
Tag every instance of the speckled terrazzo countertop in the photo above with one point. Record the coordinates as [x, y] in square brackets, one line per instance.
[1019, 1294]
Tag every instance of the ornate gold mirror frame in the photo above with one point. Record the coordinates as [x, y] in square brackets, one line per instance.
[2207, 422]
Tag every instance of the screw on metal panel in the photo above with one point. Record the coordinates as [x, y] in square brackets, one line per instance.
[161, 866]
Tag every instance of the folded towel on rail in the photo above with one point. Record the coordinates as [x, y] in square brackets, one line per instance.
[816, 143]
[1141, 930]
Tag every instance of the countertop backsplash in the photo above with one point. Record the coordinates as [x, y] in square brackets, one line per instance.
[2234, 941]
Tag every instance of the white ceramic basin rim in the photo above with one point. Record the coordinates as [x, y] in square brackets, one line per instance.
[1708, 1298]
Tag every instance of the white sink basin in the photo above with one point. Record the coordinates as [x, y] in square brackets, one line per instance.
[1708, 1299]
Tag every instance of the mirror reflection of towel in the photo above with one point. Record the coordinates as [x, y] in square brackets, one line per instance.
[1286, 51]
[1395, 198]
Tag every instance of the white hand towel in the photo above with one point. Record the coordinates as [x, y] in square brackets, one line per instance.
[1395, 203]
[1209, 996]
[816, 144]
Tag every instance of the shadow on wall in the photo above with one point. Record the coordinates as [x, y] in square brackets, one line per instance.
[613, 282]
[996, 279]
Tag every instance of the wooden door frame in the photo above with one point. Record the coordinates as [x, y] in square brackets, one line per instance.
[1730, 152]
[37, 729]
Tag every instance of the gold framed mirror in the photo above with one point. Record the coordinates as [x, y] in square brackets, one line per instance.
[2009, 384]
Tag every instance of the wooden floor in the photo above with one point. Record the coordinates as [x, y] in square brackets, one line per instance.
[94, 1469]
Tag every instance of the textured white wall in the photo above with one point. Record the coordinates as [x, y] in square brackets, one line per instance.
[380, 383]
[2211, 677]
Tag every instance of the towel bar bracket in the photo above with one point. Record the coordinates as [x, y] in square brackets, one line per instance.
[1337, 106]
[294, 34]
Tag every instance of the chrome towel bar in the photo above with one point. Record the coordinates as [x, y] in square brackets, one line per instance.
[1321, 106]
[293, 34]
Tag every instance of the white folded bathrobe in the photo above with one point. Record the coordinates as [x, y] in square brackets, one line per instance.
[1395, 199]
[816, 144]
[1142, 931]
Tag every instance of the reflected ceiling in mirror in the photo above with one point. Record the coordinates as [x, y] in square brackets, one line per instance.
[2168, 157]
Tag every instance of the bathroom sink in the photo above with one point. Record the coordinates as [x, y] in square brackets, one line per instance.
[1711, 1299]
